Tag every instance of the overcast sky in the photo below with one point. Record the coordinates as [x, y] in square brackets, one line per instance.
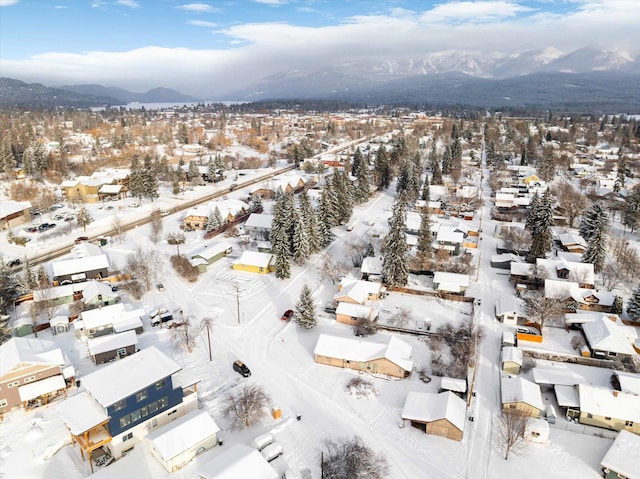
[217, 45]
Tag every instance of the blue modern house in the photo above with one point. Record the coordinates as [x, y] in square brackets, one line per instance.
[126, 400]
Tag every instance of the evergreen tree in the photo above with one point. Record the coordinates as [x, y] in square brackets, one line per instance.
[547, 168]
[192, 171]
[539, 223]
[523, 156]
[301, 247]
[40, 160]
[395, 270]
[305, 311]
[382, 169]
[309, 219]
[344, 196]
[215, 220]
[402, 184]
[43, 278]
[256, 203]
[426, 194]
[325, 219]
[425, 238]
[9, 286]
[29, 279]
[150, 181]
[329, 208]
[211, 170]
[361, 193]
[282, 268]
[446, 160]
[633, 305]
[620, 176]
[219, 163]
[7, 160]
[456, 154]
[433, 156]
[136, 178]
[356, 162]
[183, 134]
[593, 219]
[437, 175]
[597, 248]
[631, 212]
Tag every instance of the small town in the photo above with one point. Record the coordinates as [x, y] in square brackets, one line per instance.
[208, 291]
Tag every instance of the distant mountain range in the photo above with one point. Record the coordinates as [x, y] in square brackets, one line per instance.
[589, 79]
[15, 93]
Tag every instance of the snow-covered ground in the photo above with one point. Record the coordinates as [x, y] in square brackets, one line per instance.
[36, 444]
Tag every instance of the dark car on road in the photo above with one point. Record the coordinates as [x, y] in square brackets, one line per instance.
[288, 314]
[241, 368]
[14, 262]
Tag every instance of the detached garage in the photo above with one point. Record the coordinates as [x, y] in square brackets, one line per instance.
[440, 414]
[177, 443]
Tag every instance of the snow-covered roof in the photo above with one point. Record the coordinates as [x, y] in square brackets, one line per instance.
[609, 403]
[622, 456]
[353, 349]
[371, 265]
[129, 375]
[559, 289]
[259, 220]
[239, 461]
[36, 389]
[9, 207]
[453, 384]
[183, 434]
[354, 310]
[567, 396]
[112, 314]
[508, 305]
[19, 351]
[569, 239]
[605, 335]
[580, 272]
[629, 382]
[357, 289]
[449, 235]
[111, 342]
[454, 282]
[110, 189]
[254, 258]
[517, 389]
[520, 269]
[413, 221]
[55, 292]
[81, 413]
[210, 250]
[511, 354]
[429, 407]
[94, 288]
[80, 265]
[557, 373]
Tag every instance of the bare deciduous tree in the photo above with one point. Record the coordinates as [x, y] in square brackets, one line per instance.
[247, 406]
[350, 458]
[83, 217]
[610, 276]
[517, 240]
[401, 317]
[572, 202]
[542, 310]
[145, 266]
[329, 269]
[186, 333]
[364, 327]
[510, 429]
[117, 229]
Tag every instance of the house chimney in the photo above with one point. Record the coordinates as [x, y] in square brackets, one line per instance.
[615, 393]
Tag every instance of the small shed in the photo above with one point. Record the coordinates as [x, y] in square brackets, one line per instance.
[177, 443]
[350, 313]
[59, 324]
[537, 430]
[511, 359]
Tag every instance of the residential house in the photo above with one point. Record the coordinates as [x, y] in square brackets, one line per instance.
[357, 291]
[108, 320]
[576, 298]
[392, 358]
[511, 359]
[449, 240]
[371, 268]
[452, 283]
[104, 349]
[177, 443]
[537, 430]
[521, 394]
[441, 414]
[88, 188]
[581, 273]
[503, 261]
[610, 339]
[412, 223]
[509, 310]
[285, 183]
[627, 382]
[239, 461]
[97, 294]
[125, 401]
[621, 460]
[209, 254]
[81, 269]
[350, 313]
[258, 226]
[57, 295]
[609, 409]
[455, 385]
[14, 213]
[572, 242]
[32, 371]
[197, 218]
[254, 262]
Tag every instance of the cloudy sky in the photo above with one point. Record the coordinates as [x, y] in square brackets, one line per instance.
[207, 46]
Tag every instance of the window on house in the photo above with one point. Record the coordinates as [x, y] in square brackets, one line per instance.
[607, 418]
[126, 437]
[535, 434]
[142, 395]
[30, 379]
[135, 415]
[163, 402]
[3, 403]
[13, 384]
[628, 423]
[120, 405]
[153, 407]
[161, 384]
[125, 421]
[589, 415]
[121, 351]
[144, 411]
[512, 406]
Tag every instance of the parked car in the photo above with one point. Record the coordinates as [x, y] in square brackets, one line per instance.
[241, 368]
[272, 451]
[135, 204]
[160, 316]
[115, 288]
[80, 239]
[160, 287]
[14, 262]
[263, 441]
[288, 314]
[330, 309]
[31, 229]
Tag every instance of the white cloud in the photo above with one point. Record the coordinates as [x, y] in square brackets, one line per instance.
[271, 2]
[6, 3]
[473, 11]
[196, 7]
[128, 3]
[201, 23]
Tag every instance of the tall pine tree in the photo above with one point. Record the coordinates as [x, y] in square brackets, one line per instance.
[150, 181]
[395, 270]
[539, 223]
[633, 305]
[382, 169]
[136, 177]
[305, 310]
[425, 239]
[309, 219]
[593, 219]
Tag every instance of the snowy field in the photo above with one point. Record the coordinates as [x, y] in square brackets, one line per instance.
[36, 444]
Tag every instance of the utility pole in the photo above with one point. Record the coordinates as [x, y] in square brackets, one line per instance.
[236, 287]
[207, 324]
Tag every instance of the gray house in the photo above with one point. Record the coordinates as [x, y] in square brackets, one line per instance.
[258, 226]
[114, 346]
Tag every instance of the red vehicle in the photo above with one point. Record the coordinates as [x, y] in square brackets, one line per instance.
[288, 314]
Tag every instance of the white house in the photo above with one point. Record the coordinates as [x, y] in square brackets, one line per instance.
[508, 310]
[185, 438]
[621, 460]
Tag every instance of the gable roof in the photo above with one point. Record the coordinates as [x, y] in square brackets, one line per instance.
[354, 310]
[238, 461]
[123, 378]
[95, 288]
[79, 265]
[18, 351]
[259, 220]
[609, 403]
[520, 390]
[429, 407]
[183, 434]
[254, 258]
[111, 342]
[622, 456]
[511, 354]
[353, 349]
[605, 335]
[358, 289]
[580, 272]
